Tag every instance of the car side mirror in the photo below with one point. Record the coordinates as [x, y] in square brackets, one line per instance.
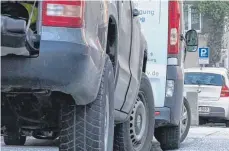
[136, 12]
[191, 39]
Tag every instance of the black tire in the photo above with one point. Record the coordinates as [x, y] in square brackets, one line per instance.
[227, 123]
[169, 137]
[14, 139]
[187, 106]
[83, 127]
[202, 121]
[124, 135]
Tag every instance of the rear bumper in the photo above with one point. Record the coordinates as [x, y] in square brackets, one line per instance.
[218, 109]
[163, 119]
[217, 112]
[173, 104]
[67, 67]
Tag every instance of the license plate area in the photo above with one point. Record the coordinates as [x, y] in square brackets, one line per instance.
[204, 109]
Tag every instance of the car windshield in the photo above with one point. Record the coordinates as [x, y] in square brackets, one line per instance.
[198, 78]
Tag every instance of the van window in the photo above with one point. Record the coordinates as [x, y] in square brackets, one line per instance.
[198, 78]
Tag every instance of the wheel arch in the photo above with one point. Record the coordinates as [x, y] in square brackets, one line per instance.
[113, 37]
[145, 60]
[144, 47]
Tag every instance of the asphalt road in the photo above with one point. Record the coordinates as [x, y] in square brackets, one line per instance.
[206, 139]
[199, 139]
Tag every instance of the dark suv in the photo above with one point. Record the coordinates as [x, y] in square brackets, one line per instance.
[78, 74]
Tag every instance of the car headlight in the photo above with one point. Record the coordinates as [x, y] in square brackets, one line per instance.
[169, 88]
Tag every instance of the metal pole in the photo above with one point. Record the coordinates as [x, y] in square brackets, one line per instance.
[192, 98]
[201, 66]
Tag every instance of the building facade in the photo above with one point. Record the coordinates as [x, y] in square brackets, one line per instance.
[195, 20]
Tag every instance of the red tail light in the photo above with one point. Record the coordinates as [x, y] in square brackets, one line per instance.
[62, 13]
[224, 91]
[157, 113]
[174, 27]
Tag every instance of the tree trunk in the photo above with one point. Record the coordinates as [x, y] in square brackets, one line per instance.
[214, 42]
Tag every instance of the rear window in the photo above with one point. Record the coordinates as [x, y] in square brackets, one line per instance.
[198, 78]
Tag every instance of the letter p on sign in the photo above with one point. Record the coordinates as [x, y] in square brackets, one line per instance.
[203, 52]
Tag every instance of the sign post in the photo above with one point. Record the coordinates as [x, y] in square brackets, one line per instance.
[204, 54]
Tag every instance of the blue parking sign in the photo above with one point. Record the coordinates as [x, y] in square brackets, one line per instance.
[204, 56]
[203, 53]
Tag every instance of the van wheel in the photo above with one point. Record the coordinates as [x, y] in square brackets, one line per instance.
[14, 139]
[90, 127]
[169, 137]
[136, 134]
[185, 122]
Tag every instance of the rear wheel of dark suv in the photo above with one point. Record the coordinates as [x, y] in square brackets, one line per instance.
[90, 127]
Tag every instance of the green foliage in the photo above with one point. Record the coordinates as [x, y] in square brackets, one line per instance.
[216, 10]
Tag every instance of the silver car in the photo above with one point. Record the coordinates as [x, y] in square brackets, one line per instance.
[212, 85]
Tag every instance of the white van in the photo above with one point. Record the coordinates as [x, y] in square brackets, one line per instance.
[163, 26]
